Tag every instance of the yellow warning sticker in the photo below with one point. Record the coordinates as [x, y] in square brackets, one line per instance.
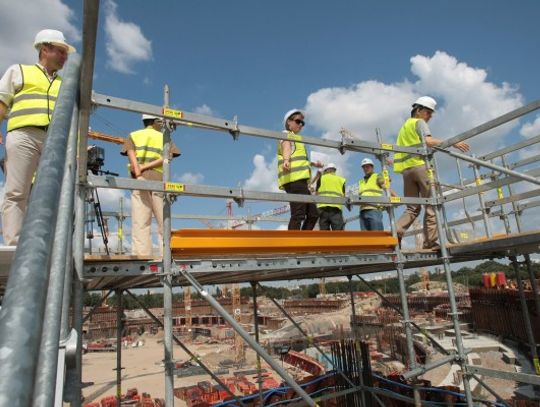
[478, 181]
[175, 114]
[395, 199]
[536, 365]
[385, 146]
[430, 174]
[500, 193]
[174, 187]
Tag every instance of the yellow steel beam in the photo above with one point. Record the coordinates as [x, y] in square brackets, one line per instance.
[188, 242]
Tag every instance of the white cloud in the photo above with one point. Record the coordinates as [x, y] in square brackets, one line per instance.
[529, 129]
[264, 175]
[126, 43]
[21, 20]
[110, 199]
[204, 110]
[191, 178]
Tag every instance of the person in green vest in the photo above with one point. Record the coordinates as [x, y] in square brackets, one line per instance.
[371, 184]
[294, 171]
[144, 149]
[331, 185]
[416, 179]
[28, 93]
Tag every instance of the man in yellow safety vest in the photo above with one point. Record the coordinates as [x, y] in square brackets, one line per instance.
[331, 185]
[28, 93]
[370, 185]
[144, 149]
[416, 179]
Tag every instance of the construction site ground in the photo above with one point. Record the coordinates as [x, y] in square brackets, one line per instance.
[143, 368]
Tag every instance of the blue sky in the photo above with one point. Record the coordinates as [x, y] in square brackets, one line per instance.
[351, 64]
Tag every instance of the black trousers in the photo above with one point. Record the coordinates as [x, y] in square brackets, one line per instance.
[331, 218]
[303, 215]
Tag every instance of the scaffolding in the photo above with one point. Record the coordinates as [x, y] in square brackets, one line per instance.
[41, 349]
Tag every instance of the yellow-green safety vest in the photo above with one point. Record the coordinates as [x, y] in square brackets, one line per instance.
[300, 167]
[33, 105]
[148, 146]
[408, 137]
[331, 185]
[370, 188]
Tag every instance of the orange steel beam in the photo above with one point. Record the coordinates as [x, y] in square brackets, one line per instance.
[189, 242]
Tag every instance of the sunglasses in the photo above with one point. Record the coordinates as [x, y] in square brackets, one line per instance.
[300, 122]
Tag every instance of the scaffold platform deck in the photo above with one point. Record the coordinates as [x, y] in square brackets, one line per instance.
[127, 271]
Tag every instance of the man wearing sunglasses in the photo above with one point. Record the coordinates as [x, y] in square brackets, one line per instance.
[29, 93]
[144, 149]
[416, 178]
[294, 171]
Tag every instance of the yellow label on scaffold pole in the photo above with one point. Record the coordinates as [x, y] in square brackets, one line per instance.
[536, 365]
[385, 146]
[395, 199]
[478, 181]
[174, 114]
[386, 178]
[500, 193]
[430, 174]
[174, 187]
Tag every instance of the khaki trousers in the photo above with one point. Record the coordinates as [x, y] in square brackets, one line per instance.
[143, 205]
[416, 184]
[23, 150]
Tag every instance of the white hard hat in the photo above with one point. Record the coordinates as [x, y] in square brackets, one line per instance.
[426, 101]
[150, 117]
[290, 113]
[54, 37]
[367, 161]
[329, 166]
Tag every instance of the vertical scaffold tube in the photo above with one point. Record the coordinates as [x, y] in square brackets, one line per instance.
[256, 328]
[167, 260]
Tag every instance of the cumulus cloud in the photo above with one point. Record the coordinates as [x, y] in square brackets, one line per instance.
[465, 98]
[126, 43]
[191, 178]
[17, 43]
[264, 175]
[529, 129]
[204, 110]
[110, 199]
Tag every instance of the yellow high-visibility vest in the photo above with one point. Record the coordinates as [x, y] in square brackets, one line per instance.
[34, 104]
[408, 137]
[370, 188]
[148, 146]
[300, 167]
[331, 185]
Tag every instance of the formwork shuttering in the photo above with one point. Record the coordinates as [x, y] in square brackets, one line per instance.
[46, 366]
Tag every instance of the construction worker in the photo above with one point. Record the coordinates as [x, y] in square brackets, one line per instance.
[331, 185]
[370, 185]
[414, 168]
[144, 149]
[29, 93]
[294, 171]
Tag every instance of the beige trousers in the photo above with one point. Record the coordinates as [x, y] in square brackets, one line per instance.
[143, 205]
[416, 184]
[23, 150]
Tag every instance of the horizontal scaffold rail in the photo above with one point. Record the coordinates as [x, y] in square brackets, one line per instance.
[232, 126]
[240, 195]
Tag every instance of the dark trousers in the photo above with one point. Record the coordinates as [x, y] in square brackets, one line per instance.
[331, 218]
[303, 215]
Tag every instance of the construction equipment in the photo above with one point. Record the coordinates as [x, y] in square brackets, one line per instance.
[97, 135]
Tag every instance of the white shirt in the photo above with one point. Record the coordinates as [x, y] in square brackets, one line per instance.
[12, 82]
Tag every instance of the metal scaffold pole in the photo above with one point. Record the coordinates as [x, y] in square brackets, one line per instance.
[355, 338]
[461, 356]
[119, 329]
[256, 328]
[44, 393]
[401, 279]
[167, 262]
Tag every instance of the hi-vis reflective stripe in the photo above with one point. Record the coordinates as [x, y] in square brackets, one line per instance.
[377, 191]
[328, 193]
[31, 96]
[24, 112]
[146, 148]
[297, 158]
[296, 169]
